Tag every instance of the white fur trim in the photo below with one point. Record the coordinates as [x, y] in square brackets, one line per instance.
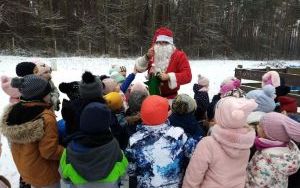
[141, 64]
[254, 117]
[164, 38]
[172, 81]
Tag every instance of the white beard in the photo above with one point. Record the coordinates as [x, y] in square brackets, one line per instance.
[162, 54]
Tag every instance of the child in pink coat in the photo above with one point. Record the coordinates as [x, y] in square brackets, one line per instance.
[277, 156]
[220, 160]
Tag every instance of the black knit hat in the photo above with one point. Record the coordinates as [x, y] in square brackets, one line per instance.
[282, 90]
[95, 118]
[71, 89]
[90, 86]
[25, 68]
[31, 87]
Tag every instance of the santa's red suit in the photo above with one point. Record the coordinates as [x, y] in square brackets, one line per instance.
[178, 67]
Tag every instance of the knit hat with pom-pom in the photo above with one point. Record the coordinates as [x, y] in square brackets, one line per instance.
[31, 87]
[203, 81]
[71, 89]
[264, 98]
[90, 86]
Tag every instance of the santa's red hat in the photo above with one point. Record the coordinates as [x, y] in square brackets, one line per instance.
[163, 34]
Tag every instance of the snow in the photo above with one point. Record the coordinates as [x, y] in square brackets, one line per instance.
[71, 68]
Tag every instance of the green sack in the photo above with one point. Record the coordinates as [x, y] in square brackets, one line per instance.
[153, 85]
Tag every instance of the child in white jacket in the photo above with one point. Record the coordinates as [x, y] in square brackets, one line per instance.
[277, 156]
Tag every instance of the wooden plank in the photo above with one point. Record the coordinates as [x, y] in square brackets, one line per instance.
[249, 74]
[283, 70]
[293, 70]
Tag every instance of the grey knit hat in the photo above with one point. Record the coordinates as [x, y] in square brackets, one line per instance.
[90, 86]
[183, 104]
[135, 100]
[31, 87]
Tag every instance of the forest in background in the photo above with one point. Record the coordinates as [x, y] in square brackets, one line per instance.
[235, 29]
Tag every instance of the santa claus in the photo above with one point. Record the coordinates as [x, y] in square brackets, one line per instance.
[165, 62]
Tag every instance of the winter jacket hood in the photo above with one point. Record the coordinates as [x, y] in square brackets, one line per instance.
[33, 138]
[96, 163]
[234, 142]
[26, 132]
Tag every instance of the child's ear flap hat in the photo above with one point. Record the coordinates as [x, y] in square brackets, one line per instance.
[232, 112]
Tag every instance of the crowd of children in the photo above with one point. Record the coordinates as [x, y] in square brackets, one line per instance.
[111, 128]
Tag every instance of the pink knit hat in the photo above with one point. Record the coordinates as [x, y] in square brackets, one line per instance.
[110, 85]
[280, 127]
[138, 86]
[14, 93]
[229, 84]
[232, 112]
[203, 81]
[271, 77]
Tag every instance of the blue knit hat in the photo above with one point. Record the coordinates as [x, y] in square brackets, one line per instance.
[95, 118]
[264, 98]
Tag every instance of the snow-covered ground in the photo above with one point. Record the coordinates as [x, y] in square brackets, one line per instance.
[70, 69]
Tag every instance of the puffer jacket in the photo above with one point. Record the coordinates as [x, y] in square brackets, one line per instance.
[271, 167]
[33, 141]
[158, 155]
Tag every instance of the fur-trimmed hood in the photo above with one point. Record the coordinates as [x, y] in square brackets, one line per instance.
[27, 132]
